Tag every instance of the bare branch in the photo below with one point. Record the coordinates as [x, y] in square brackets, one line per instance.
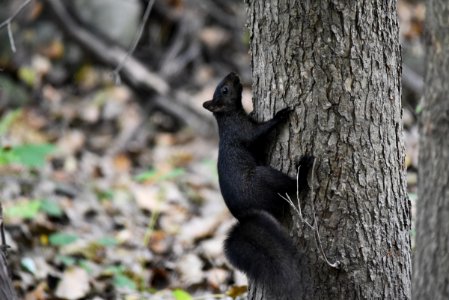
[11, 38]
[111, 55]
[8, 21]
[134, 71]
[313, 226]
[135, 42]
[297, 209]
[335, 264]
[2, 232]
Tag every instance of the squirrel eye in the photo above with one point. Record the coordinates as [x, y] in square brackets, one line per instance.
[225, 90]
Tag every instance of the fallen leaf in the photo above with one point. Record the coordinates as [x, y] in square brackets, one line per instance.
[62, 239]
[181, 295]
[200, 227]
[74, 284]
[190, 267]
[236, 291]
[149, 197]
[217, 277]
[38, 293]
[54, 50]
[214, 37]
[122, 163]
[71, 142]
[159, 242]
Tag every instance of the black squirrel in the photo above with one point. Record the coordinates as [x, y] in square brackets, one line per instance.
[258, 244]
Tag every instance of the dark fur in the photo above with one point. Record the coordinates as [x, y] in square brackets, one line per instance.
[258, 244]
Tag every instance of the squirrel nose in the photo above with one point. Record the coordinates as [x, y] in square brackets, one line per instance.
[207, 104]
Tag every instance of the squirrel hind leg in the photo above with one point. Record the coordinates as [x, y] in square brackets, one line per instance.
[261, 248]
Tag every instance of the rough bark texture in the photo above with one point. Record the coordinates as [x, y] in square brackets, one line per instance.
[6, 287]
[337, 63]
[431, 273]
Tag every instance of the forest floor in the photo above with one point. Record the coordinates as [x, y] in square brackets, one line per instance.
[107, 197]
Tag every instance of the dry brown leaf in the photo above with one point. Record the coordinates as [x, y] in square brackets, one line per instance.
[159, 242]
[199, 227]
[55, 50]
[165, 139]
[38, 293]
[122, 163]
[74, 284]
[214, 36]
[236, 290]
[216, 277]
[71, 142]
[149, 197]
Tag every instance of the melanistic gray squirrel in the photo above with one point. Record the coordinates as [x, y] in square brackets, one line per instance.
[258, 244]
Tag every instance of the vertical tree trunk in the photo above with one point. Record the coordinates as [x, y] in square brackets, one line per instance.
[338, 64]
[6, 288]
[431, 274]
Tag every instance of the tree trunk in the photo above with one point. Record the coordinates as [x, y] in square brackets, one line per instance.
[431, 277]
[6, 288]
[338, 65]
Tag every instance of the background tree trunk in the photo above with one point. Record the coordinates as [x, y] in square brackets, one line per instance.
[431, 277]
[338, 64]
[6, 287]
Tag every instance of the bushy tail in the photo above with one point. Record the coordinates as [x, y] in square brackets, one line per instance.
[261, 248]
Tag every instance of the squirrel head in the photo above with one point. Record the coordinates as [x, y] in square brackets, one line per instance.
[227, 95]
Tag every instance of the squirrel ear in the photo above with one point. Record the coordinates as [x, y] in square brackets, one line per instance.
[212, 106]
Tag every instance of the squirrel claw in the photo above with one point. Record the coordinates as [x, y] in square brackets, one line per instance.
[305, 162]
[283, 114]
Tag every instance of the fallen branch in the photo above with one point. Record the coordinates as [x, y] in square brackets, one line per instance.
[133, 71]
[8, 21]
[111, 55]
[133, 47]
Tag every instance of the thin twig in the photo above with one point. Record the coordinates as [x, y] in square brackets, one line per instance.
[110, 54]
[298, 211]
[134, 44]
[11, 38]
[2, 232]
[8, 21]
[297, 197]
[315, 223]
[138, 75]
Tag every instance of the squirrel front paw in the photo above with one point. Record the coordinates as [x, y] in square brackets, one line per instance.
[305, 163]
[283, 114]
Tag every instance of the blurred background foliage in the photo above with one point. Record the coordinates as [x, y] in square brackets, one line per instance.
[110, 190]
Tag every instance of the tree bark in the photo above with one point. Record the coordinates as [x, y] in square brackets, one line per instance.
[431, 277]
[6, 286]
[338, 65]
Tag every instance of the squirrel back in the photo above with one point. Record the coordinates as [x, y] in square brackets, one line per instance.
[258, 244]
